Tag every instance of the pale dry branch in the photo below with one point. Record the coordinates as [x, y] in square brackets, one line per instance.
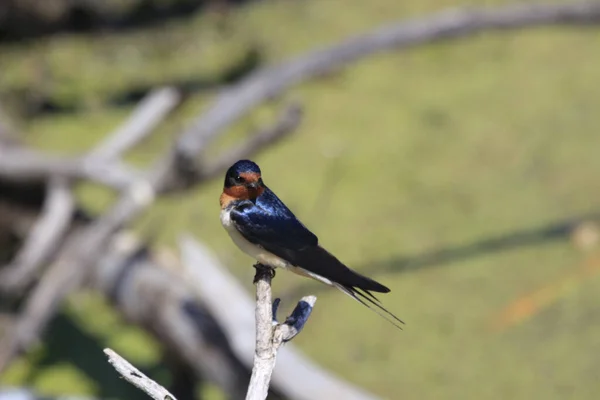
[21, 393]
[293, 324]
[44, 238]
[266, 83]
[267, 345]
[270, 334]
[149, 113]
[148, 289]
[132, 375]
[77, 261]
[101, 164]
[69, 272]
[286, 123]
[21, 164]
[296, 377]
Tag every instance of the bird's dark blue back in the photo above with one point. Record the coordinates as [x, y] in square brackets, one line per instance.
[269, 222]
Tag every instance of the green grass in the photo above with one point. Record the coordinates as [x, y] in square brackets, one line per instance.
[438, 147]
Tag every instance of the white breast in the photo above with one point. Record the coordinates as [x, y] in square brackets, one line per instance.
[254, 251]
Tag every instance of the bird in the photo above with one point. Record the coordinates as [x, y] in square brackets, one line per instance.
[264, 228]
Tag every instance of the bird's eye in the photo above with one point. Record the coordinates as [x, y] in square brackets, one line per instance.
[240, 179]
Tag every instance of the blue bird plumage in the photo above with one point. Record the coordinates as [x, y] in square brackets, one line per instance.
[263, 227]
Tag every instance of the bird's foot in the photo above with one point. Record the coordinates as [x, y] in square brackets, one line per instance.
[263, 271]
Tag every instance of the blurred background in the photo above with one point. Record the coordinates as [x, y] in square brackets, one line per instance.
[462, 174]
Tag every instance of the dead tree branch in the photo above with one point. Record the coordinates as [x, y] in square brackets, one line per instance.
[178, 170]
[287, 122]
[133, 375]
[154, 294]
[81, 252]
[151, 111]
[44, 238]
[235, 317]
[454, 23]
[20, 164]
[19, 393]
[270, 334]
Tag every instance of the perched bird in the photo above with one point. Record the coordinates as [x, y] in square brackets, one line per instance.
[262, 226]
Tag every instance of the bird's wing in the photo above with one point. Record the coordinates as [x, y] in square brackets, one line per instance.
[286, 237]
[277, 231]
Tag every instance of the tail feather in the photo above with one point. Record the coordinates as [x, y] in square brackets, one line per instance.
[321, 262]
[365, 300]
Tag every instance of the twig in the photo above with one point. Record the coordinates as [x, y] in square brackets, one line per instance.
[286, 123]
[296, 377]
[270, 334]
[454, 23]
[44, 238]
[132, 375]
[150, 112]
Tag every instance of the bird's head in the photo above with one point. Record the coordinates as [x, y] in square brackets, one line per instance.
[243, 181]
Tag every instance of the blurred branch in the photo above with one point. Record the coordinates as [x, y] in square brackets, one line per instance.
[21, 164]
[99, 165]
[17, 393]
[83, 250]
[44, 238]
[154, 294]
[267, 83]
[68, 273]
[285, 124]
[270, 334]
[189, 173]
[150, 112]
[177, 169]
[296, 377]
[132, 375]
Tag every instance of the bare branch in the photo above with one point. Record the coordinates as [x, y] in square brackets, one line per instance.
[149, 290]
[68, 273]
[18, 393]
[132, 375]
[20, 164]
[240, 99]
[270, 335]
[287, 122]
[100, 166]
[265, 354]
[44, 238]
[150, 112]
[296, 377]
[81, 252]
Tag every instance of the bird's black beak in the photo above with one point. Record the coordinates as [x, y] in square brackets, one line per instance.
[253, 185]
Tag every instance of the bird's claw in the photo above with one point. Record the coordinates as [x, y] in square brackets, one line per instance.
[263, 270]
